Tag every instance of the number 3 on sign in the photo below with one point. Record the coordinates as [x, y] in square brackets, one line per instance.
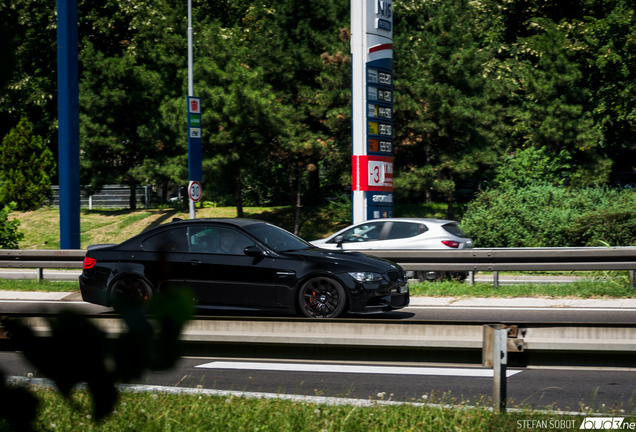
[194, 191]
[376, 175]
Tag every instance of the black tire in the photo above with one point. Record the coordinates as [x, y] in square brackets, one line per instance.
[426, 276]
[130, 292]
[322, 297]
[459, 276]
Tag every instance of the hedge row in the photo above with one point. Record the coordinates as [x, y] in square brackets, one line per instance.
[549, 216]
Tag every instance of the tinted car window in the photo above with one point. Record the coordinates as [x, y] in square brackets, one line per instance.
[276, 238]
[173, 240]
[204, 239]
[362, 233]
[405, 230]
[217, 240]
[455, 230]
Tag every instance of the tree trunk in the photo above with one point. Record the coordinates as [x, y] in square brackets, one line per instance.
[298, 201]
[312, 194]
[427, 193]
[133, 195]
[164, 192]
[450, 214]
[238, 193]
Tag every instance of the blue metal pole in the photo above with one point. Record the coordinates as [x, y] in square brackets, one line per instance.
[68, 123]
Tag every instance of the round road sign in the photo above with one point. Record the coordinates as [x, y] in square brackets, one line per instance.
[194, 191]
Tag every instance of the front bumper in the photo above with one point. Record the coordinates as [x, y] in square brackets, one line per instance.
[377, 297]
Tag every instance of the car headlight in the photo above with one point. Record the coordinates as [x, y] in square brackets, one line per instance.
[366, 276]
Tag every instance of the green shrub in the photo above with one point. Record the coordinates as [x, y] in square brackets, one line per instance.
[26, 168]
[9, 234]
[549, 216]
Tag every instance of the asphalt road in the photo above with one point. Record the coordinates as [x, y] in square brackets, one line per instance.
[565, 389]
[482, 314]
[570, 390]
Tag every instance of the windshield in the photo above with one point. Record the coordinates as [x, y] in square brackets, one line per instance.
[276, 238]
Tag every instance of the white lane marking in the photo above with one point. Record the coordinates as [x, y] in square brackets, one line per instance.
[295, 367]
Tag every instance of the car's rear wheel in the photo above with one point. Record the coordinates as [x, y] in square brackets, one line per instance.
[322, 297]
[130, 292]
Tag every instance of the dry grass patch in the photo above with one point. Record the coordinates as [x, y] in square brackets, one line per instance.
[41, 227]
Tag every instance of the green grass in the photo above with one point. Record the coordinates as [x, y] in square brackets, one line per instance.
[610, 288]
[170, 412]
[32, 285]
[584, 289]
[41, 227]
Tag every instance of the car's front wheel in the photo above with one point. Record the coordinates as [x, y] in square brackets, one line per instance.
[322, 297]
[130, 292]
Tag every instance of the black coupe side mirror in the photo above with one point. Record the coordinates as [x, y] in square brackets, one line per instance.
[253, 251]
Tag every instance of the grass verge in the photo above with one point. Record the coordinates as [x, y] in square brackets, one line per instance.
[33, 285]
[618, 288]
[41, 227]
[583, 289]
[192, 412]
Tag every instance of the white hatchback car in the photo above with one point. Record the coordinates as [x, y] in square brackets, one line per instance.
[399, 234]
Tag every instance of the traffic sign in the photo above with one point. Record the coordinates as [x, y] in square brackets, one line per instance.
[194, 191]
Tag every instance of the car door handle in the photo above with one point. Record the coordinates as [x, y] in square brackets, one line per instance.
[195, 262]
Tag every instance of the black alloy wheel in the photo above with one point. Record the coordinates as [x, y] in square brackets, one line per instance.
[322, 297]
[130, 292]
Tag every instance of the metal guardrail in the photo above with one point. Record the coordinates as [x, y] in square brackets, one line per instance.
[42, 258]
[470, 260]
[514, 259]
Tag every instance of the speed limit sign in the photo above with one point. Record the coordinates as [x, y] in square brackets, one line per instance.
[194, 191]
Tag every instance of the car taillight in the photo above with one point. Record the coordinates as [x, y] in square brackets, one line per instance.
[451, 243]
[89, 262]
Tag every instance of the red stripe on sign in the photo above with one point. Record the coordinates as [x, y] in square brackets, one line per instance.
[372, 173]
[380, 48]
[359, 172]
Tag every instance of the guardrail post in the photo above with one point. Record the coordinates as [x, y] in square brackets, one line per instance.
[471, 278]
[495, 275]
[631, 278]
[39, 274]
[495, 355]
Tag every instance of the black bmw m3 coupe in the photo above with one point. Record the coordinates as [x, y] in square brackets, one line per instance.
[241, 263]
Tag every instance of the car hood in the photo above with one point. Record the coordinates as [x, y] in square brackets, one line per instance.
[345, 260]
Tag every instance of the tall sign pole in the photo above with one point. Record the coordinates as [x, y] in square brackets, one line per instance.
[195, 169]
[68, 124]
[372, 99]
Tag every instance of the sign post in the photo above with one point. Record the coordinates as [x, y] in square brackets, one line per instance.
[68, 121]
[195, 168]
[372, 99]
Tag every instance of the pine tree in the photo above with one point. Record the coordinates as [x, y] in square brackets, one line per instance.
[26, 168]
[447, 100]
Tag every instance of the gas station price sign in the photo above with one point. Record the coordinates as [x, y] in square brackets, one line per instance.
[375, 93]
[380, 111]
[380, 146]
[379, 77]
[383, 129]
[372, 109]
